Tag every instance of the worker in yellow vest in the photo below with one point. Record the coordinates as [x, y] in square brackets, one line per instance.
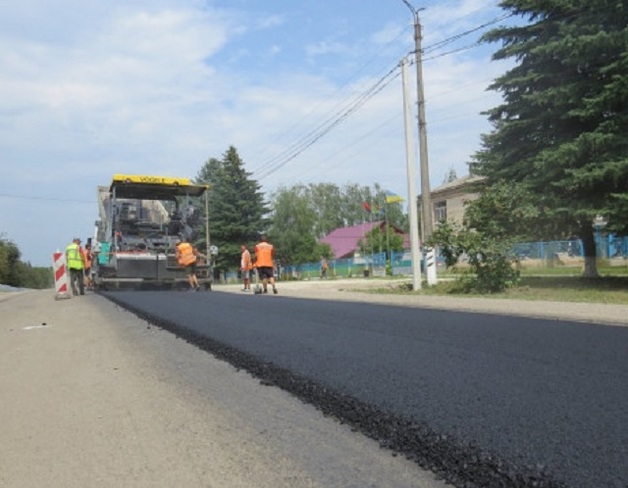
[265, 264]
[76, 266]
[187, 256]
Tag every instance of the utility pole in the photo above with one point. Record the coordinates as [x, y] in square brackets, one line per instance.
[426, 199]
[410, 161]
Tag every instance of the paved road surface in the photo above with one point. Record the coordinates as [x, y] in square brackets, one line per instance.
[99, 398]
[92, 396]
[478, 397]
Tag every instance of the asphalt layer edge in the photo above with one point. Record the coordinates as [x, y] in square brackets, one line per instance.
[461, 464]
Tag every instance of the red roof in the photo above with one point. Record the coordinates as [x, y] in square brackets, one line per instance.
[344, 241]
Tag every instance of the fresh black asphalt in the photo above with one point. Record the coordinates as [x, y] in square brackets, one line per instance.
[480, 399]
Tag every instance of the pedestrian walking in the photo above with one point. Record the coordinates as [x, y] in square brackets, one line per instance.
[76, 266]
[264, 262]
[187, 256]
[246, 265]
[324, 267]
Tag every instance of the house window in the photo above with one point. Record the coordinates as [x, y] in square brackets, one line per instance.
[440, 211]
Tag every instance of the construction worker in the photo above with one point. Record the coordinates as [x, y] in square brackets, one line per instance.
[246, 265]
[187, 256]
[76, 265]
[88, 257]
[264, 262]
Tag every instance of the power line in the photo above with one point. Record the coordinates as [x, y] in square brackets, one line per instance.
[348, 107]
[315, 135]
[345, 83]
[45, 199]
[439, 44]
[453, 51]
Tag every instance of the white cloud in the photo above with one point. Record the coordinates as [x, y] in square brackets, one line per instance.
[327, 47]
[390, 32]
[92, 88]
[270, 21]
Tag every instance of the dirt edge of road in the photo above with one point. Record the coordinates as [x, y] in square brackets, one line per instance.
[361, 290]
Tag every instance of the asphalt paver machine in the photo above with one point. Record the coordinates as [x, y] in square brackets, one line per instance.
[141, 219]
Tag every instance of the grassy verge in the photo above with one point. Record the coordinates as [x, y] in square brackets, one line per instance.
[607, 289]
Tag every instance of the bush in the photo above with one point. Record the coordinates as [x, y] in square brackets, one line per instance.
[491, 261]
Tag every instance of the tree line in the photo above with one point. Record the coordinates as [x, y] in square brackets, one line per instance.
[293, 217]
[554, 165]
[14, 272]
[556, 161]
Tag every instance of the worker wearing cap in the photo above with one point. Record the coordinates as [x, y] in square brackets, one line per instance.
[264, 262]
[186, 257]
[76, 265]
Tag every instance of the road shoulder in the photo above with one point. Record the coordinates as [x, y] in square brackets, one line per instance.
[361, 291]
[94, 396]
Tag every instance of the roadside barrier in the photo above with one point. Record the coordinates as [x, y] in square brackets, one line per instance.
[430, 257]
[61, 276]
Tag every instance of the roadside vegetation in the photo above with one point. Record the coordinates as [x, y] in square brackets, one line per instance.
[555, 163]
[553, 167]
[18, 274]
[560, 288]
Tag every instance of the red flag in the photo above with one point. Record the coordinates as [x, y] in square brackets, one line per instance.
[366, 207]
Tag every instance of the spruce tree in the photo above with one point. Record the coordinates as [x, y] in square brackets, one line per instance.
[562, 129]
[236, 207]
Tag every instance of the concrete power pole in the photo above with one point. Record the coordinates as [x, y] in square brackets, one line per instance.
[410, 162]
[426, 200]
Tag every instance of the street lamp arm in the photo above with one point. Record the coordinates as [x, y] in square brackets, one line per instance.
[414, 11]
[410, 6]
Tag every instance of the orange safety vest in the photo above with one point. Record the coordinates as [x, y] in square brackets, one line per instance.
[264, 255]
[246, 263]
[87, 258]
[186, 255]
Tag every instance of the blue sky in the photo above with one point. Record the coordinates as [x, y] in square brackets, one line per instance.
[90, 88]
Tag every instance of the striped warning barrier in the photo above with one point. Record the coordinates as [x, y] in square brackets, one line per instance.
[61, 276]
[430, 258]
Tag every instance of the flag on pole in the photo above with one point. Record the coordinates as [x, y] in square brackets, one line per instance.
[393, 197]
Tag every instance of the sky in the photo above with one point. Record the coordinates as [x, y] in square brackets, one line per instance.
[307, 91]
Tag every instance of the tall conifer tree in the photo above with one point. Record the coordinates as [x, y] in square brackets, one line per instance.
[236, 207]
[562, 130]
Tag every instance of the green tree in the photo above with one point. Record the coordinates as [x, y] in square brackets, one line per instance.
[354, 196]
[236, 207]
[562, 130]
[302, 214]
[292, 230]
[507, 210]
[327, 201]
[9, 261]
[35, 277]
[382, 240]
[14, 272]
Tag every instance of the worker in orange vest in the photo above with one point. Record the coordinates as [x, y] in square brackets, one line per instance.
[88, 257]
[187, 256]
[246, 265]
[264, 262]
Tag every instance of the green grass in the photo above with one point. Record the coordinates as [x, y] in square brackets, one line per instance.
[573, 271]
[607, 289]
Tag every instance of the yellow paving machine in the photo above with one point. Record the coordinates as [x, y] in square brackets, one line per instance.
[141, 219]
